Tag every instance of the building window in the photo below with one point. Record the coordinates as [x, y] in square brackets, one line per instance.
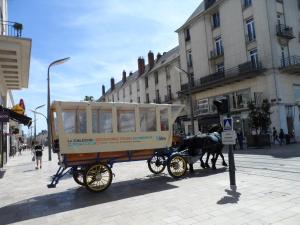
[189, 58]
[138, 86]
[215, 19]
[156, 77]
[130, 89]
[297, 92]
[113, 98]
[254, 58]
[169, 90]
[202, 106]
[251, 35]
[167, 72]
[219, 46]
[242, 98]
[247, 3]
[139, 99]
[123, 92]
[220, 68]
[157, 97]
[118, 96]
[187, 34]
[147, 98]
[146, 82]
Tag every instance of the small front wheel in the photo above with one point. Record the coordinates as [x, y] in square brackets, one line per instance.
[157, 164]
[177, 166]
[97, 177]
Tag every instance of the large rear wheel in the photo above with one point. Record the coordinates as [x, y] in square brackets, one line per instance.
[177, 166]
[98, 177]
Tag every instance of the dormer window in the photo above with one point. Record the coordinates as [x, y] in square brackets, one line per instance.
[187, 35]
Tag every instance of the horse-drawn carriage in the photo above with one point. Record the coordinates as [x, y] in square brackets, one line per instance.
[90, 137]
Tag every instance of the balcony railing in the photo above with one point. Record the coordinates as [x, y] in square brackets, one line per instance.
[242, 71]
[216, 53]
[290, 62]
[284, 31]
[12, 29]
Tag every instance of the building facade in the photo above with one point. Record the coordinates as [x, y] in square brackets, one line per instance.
[14, 73]
[244, 50]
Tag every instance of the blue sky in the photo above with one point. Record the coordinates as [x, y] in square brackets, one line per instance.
[102, 37]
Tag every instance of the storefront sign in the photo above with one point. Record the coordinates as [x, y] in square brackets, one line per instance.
[4, 116]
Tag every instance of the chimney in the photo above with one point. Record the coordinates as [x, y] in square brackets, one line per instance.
[141, 65]
[103, 90]
[124, 76]
[158, 56]
[112, 83]
[130, 73]
[150, 59]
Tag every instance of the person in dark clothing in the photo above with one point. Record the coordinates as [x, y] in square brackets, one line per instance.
[38, 155]
[240, 138]
[275, 136]
[281, 136]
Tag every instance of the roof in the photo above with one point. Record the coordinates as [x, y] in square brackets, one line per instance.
[197, 12]
[166, 58]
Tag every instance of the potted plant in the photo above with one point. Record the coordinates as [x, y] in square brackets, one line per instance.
[259, 122]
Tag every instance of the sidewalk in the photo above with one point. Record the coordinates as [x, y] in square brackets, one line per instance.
[268, 192]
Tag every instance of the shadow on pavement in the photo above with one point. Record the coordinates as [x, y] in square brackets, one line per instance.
[76, 198]
[232, 197]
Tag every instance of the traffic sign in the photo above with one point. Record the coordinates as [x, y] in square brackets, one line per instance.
[227, 123]
[229, 137]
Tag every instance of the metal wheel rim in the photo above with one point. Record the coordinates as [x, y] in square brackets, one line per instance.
[157, 163]
[98, 177]
[177, 166]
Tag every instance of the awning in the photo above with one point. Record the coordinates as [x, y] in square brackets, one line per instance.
[7, 113]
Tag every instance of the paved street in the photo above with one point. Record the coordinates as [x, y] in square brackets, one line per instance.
[268, 193]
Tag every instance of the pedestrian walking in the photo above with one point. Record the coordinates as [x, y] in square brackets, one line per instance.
[281, 136]
[275, 136]
[38, 155]
[240, 138]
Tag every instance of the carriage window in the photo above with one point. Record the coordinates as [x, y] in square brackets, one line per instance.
[126, 121]
[68, 118]
[55, 123]
[148, 119]
[105, 121]
[81, 122]
[164, 122]
[102, 121]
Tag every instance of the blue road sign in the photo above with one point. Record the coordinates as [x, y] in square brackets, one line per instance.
[227, 124]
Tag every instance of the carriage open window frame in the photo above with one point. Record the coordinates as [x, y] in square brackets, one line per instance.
[74, 121]
[126, 120]
[102, 121]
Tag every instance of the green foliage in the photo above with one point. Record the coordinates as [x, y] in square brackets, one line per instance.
[88, 98]
[259, 117]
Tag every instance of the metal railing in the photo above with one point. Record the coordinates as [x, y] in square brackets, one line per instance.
[284, 31]
[216, 53]
[241, 70]
[290, 61]
[13, 29]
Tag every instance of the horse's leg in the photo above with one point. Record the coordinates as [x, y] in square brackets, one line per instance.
[206, 162]
[222, 156]
[201, 160]
[214, 161]
[191, 168]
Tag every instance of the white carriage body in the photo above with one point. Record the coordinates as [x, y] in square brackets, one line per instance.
[92, 127]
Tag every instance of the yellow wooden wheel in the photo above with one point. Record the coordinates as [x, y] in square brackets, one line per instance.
[97, 177]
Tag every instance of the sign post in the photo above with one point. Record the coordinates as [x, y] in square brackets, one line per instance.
[229, 138]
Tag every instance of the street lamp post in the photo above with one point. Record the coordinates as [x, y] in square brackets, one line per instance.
[34, 111]
[190, 97]
[56, 62]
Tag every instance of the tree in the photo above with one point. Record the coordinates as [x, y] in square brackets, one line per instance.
[259, 117]
[88, 98]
